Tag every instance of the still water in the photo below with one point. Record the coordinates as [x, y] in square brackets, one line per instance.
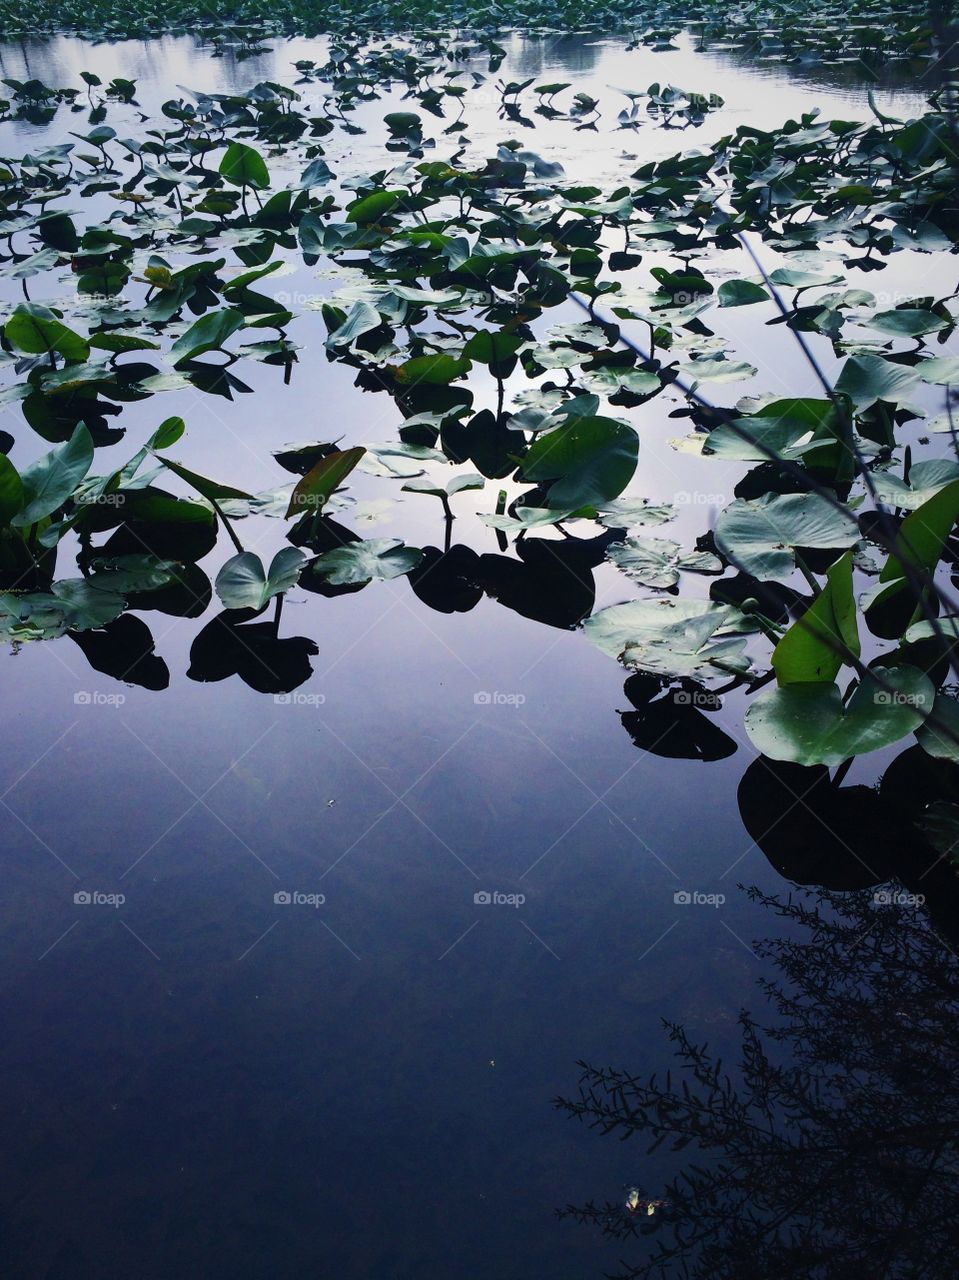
[289, 983]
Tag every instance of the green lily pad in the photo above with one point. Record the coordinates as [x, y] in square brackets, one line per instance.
[808, 724]
[361, 562]
[243, 583]
[671, 637]
[590, 462]
[657, 562]
[760, 536]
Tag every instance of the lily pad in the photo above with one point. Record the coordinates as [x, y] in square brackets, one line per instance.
[589, 462]
[808, 724]
[361, 562]
[671, 637]
[657, 562]
[760, 536]
[243, 583]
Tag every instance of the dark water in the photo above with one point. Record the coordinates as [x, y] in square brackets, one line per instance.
[203, 1080]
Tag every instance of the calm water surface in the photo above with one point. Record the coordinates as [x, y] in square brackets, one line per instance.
[206, 1081]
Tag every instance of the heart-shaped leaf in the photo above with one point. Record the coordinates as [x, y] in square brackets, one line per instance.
[361, 562]
[243, 583]
[590, 461]
[812, 649]
[808, 724]
[656, 562]
[52, 479]
[759, 537]
[37, 330]
[671, 637]
[244, 166]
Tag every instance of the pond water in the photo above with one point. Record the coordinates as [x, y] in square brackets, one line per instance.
[205, 1079]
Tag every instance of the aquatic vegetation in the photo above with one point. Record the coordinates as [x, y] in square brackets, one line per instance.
[868, 33]
[449, 269]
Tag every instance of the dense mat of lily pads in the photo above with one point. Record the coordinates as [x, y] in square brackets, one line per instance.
[163, 253]
[869, 33]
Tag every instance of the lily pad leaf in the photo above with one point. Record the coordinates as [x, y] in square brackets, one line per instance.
[925, 479]
[119, 343]
[940, 369]
[243, 583]
[759, 537]
[808, 724]
[434, 370]
[528, 518]
[36, 330]
[741, 293]
[361, 319]
[244, 166]
[208, 334]
[718, 369]
[866, 379]
[373, 207]
[918, 546]
[11, 490]
[626, 513]
[590, 462]
[907, 322]
[657, 562]
[52, 479]
[939, 735]
[803, 428]
[672, 637]
[361, 562]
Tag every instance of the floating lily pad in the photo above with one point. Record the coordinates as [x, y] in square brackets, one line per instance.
[808, 724]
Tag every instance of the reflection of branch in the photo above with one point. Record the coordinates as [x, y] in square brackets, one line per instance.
[839, 1160]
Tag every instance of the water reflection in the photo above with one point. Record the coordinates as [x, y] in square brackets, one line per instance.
[831, 1151]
